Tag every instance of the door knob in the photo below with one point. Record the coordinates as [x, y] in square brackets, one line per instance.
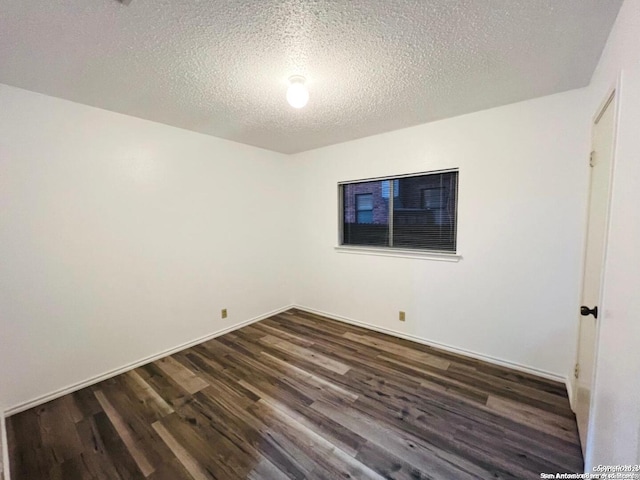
[586, 311]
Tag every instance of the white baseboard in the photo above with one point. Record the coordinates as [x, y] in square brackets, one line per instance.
[442, 346]
[93, 380]
[21, 407]
[4, 468]
[569, 384]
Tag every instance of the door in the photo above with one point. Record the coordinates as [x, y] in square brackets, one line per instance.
[602, 140]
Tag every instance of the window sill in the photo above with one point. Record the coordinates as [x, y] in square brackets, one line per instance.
[398, 252]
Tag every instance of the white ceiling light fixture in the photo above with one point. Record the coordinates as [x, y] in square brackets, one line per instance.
[297, 94]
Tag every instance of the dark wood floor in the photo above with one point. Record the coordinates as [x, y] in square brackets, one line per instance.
[301, 396]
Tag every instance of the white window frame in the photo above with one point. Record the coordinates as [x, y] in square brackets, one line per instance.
[423, 254]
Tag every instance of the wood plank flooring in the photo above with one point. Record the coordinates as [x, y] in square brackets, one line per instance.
[301, 396]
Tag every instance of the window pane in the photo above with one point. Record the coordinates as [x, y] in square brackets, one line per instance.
[424, 212]
[364, 201]
[365, 215]
[386, 184]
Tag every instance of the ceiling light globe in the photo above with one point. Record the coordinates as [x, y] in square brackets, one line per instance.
[297, 94]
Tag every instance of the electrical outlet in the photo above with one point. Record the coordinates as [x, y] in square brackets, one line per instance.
[224, 313]
[401, 316]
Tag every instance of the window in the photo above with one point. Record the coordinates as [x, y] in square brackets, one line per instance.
[416, 211]
[364, 208]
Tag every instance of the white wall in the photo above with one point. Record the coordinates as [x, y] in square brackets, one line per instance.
[523, 187]
[615, 419]
[121, 238]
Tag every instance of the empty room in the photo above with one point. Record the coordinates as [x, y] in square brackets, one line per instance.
[319, 239]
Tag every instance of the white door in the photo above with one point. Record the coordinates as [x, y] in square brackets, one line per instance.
[601, 160]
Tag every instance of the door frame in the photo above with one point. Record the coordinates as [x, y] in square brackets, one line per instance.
[612, 95]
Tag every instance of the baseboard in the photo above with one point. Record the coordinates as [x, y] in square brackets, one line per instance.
[442, 346]
[569, 385]
[21, 407]
[4, 469]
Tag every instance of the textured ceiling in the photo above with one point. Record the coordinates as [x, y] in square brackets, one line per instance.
[221, 67]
